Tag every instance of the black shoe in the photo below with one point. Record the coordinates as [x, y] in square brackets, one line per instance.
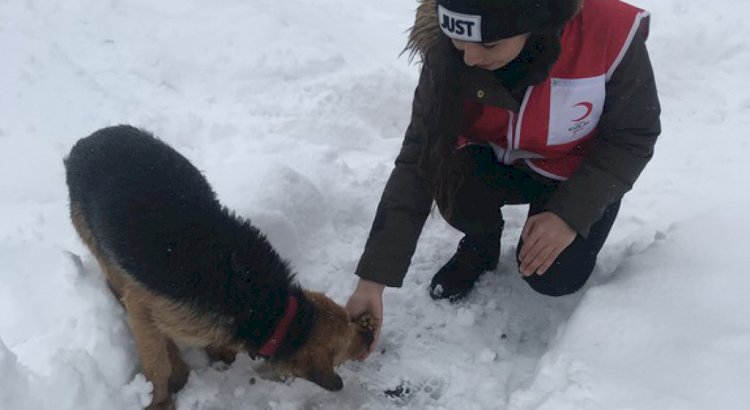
[475, 255]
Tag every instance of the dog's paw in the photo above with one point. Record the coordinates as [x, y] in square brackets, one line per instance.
[221, 355]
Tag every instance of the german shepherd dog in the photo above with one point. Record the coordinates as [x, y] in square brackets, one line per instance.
[190, 272]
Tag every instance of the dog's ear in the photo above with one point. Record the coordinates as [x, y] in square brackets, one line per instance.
[326, 378]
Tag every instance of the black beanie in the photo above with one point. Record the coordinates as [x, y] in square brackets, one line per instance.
[486, 21]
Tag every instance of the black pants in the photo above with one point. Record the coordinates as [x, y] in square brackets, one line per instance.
[487, 185]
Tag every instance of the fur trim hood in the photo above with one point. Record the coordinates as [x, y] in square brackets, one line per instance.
[425, 31]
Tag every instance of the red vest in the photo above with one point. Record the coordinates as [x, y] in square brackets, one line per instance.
[556, 126]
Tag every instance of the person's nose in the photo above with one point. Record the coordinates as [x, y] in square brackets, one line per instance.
[473, 54]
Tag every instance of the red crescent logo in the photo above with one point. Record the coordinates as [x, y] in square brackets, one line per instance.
[588, 106]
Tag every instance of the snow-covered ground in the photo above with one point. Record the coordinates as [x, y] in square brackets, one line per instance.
[295, 110]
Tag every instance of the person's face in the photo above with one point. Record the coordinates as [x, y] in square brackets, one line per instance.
[491, 56]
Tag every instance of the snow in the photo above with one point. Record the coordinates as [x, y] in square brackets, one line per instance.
[295, 111]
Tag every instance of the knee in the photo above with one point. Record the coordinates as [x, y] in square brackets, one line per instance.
[568, 273]
[464, 191]
[550, 287]
[561, 282]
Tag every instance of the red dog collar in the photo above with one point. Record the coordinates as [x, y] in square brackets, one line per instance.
[273, 342]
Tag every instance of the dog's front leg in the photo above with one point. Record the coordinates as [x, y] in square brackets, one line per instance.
[153, 348]
[180, 369]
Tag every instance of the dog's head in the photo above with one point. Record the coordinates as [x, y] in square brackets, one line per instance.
[333, 339]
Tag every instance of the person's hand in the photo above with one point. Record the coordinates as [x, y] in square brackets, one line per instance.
[367, 298]
[545, 236]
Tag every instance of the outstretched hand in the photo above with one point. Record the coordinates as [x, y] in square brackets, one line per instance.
[545, 236]
[367, 298]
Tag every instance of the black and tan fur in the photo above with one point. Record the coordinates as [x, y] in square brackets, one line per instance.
[190, 272]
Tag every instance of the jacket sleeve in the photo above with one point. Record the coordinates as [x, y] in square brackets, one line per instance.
[628, 130]
[405, 203]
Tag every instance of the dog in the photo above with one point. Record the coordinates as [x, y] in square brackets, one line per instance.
[190, 272]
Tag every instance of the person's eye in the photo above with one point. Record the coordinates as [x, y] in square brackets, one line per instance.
[489, 46]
